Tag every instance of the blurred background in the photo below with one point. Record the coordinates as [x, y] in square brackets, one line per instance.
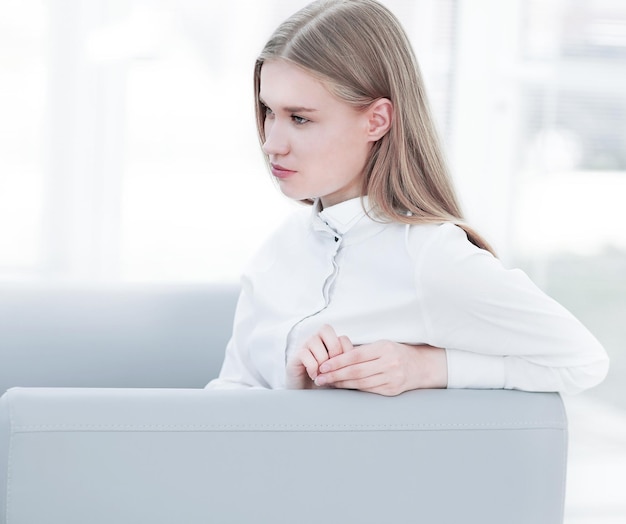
[128, 153]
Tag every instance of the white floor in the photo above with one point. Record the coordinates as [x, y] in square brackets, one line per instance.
[596, 480]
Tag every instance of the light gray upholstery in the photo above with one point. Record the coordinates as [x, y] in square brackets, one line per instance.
[171, 453]
[117, 336]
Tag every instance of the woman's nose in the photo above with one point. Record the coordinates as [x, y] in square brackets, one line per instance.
[275, 139]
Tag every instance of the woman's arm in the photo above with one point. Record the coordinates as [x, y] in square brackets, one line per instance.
[498, 328]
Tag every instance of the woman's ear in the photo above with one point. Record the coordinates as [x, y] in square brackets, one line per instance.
[380, 116]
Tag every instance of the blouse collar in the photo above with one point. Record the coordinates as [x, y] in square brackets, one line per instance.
[343, 216]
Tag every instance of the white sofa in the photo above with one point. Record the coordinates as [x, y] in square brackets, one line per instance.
[122, 431]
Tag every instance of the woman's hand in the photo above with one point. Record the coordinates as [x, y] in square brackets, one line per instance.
[385, 367]
[303, 366]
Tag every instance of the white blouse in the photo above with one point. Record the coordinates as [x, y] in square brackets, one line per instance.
[415, 284]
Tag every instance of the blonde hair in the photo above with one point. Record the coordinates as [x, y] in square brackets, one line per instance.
[361, 52]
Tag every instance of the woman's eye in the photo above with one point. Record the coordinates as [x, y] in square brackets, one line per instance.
[267, 110]
[299, 120]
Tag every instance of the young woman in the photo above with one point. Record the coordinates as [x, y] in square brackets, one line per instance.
[379, 285]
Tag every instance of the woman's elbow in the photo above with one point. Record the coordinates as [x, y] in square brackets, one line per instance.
[580, 378]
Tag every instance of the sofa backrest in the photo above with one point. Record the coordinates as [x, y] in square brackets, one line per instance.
[114, 336]
[127, 456]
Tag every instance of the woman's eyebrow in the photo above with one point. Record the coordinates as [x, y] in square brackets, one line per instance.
[292, 109]
[299, 109]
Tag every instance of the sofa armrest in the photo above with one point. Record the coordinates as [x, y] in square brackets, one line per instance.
[198, 456]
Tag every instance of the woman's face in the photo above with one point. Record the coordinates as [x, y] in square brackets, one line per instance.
[317, 144]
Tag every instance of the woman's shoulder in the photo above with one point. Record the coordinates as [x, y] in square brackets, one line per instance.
[440, 244]
[441, 235]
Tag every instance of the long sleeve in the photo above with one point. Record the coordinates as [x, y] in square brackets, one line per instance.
[499, 330]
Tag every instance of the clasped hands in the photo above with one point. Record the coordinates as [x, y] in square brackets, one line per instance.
[384, 367]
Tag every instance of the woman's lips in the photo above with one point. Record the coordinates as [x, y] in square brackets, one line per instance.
[281, 172]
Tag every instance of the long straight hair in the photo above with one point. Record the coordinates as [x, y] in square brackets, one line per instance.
[360, 51]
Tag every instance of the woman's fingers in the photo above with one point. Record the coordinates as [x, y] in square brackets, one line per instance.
[374, 384]
[352, 356]
[353, 367]
[315, 345]
[310, 364]
[303, 368]
[326, 344]
[385, 367]
[331, 341]
[346, 344]
[317, 349]
[351, 373]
